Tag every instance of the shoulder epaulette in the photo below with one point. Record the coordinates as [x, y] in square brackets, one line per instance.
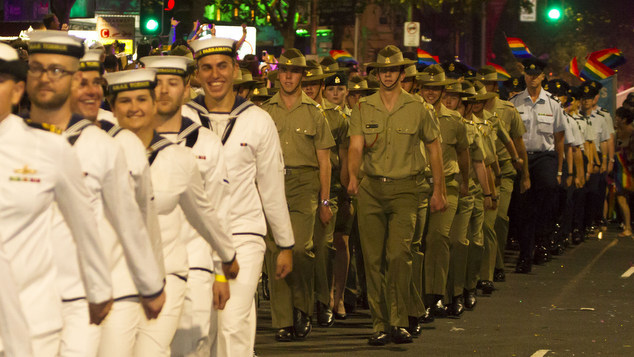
[43, 126]
[599, 113]
[605, 110]
[513, 97]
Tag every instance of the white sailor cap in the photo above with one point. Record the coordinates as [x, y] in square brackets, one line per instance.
[56, 42]
[10, 62]
[91, 61]
[214, 46]
[133, 79]
[176, 65]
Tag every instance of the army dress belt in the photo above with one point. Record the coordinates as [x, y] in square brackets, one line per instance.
[390, 179]
[298, 170]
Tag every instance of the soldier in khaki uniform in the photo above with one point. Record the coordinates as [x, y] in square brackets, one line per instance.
[357, 88]
[466, 213]
[306, 141]
[494, 132]
[509, 165]
[313, 86]
[385, 133]
[455, 155]
[483, 202]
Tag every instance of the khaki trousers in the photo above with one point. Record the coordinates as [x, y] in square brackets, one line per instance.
[296, 290]
[502, 221]
[459, 245]
[387, 215]
[476, 240]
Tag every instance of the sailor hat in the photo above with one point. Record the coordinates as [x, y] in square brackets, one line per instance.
[91, 61]
[176, 65]
[214, 46]
[56, 42]
[10, 62]
[134, 79]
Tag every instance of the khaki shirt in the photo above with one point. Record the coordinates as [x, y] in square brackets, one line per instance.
[454, 138]
[338, 123]
[511, 121]
[488, 136]
[303, 130]
[392, 139]
[476, 146]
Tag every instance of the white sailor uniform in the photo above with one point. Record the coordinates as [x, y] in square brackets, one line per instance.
[41, 168]
[256, 175]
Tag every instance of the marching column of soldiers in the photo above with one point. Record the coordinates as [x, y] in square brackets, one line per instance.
[141, 209]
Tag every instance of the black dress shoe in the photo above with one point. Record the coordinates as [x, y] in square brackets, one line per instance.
[301, 324]
[470, 300]
[439, 310]
[428, 317]
[523, 266]
[415, 327]
[577, 236]
[379, 339]
[499, 276]
[541, 255]
[339, 316]
[487, 287]
[325, 317]
[456, 308]
[479, 285]
[400, 335]
[285, 334]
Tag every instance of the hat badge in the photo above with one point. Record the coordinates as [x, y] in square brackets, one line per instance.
[586, 89]
[327, 68]
[558, 85]
[256, 91]
[309, 74]
[337, 80]
[516, 82]
[288, 61]
[452, 67]
[356, 86]
[431, 77]
[546, 86]
[387, 60]
[532, 66]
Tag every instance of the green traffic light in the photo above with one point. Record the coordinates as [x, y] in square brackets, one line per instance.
[151, 25]
[554, 14]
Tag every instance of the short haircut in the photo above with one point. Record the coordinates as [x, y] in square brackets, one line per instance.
[112, 98]
[48, 21]
[626, 114]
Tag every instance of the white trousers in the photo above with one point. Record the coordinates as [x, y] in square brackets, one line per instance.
[237, 322]
[154, 337]
[79, 337]
[47, 345]
[192, 337]
[119, 329]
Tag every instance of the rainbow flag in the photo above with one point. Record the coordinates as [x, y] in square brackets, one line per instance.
[518, 48]
[502, 73]
[342, 56]
[425, 58]
[573, 68]
[611, 57]
[594, 70]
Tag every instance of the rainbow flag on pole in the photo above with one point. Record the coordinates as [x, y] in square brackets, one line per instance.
[425, 58]
[342, 56]
[594, 70]
[518, 48]
[611, 57]
[502, 73]
[573, 68]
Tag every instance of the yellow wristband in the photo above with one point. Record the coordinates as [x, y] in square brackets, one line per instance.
[221, 278]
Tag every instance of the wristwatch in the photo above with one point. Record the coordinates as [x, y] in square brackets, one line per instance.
[324, 203]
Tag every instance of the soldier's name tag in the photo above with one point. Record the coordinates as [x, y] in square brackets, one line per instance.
[371, 126]
[521, 112]
[545, 115]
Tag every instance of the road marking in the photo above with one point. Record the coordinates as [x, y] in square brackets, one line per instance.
[628, 273]
[574, 281]
[540, 353]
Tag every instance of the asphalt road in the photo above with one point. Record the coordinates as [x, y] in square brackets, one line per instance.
[579, 304]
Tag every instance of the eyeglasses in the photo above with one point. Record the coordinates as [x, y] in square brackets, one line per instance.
[53, 73]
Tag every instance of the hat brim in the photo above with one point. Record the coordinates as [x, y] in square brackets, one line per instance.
[280, 64]
[318, 77]
[245, 83]
[404, 62]
[533, 72]
[446, 82]
[479, 97]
